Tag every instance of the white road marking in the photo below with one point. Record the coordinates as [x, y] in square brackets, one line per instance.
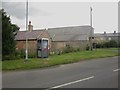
[72, 82]
[116, 70]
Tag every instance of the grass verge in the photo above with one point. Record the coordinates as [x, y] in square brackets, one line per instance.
[34, 63]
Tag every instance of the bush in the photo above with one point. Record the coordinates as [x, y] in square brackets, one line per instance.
[98, 45]
[113, 43]
[22, 53]
[68, 49]
[16, 55]
[109, 44]
[58, 52]
[119, 44]
[32, 55]
[8, 57]
[78, 49]
[87, 48]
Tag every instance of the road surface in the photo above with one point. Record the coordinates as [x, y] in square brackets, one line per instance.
[96, 73]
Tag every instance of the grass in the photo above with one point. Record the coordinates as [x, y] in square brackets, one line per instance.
[0, 65]
[56, 59]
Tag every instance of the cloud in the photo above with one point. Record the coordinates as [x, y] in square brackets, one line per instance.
[17, 12]
[15, 9]
[18, 9]
[56, 14]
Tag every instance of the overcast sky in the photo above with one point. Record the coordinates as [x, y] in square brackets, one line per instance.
[60, 14]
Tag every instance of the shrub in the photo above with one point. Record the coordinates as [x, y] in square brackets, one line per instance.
[17, 55]
[68, 49]
[87, 48]
[22, 53]
[32, 55]
[58, 52]
[109, 44]
[8, 57]
[78, 49]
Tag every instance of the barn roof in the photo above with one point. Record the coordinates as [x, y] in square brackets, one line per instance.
[70, 33]
[59, 34]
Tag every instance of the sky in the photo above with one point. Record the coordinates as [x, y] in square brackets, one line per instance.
[64, 14]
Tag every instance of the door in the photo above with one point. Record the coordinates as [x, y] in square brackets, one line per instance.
[39, 48]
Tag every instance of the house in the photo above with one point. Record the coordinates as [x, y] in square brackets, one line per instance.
[58, 38]
[104, 37]
[74, 36]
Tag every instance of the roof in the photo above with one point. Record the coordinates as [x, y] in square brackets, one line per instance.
[58, 34]
[107, 34]
[21, 35]
[70, 37]
[70, 33]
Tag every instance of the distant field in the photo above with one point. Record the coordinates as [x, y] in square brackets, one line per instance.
[34, 63]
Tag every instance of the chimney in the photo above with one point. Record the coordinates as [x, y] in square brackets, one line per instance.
[30, 27]
[114, 32]
[104, 32]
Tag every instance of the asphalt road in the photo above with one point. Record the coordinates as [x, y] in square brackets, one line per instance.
[96, 73]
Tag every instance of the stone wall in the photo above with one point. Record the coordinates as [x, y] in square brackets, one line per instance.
[32, 44]
[60, 45]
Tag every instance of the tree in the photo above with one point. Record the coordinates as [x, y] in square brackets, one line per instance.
[8, 35]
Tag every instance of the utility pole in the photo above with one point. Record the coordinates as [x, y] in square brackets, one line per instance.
[26, 30]
[91, 46]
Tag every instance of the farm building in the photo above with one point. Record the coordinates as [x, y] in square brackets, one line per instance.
[58, 38]
[75, 36]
